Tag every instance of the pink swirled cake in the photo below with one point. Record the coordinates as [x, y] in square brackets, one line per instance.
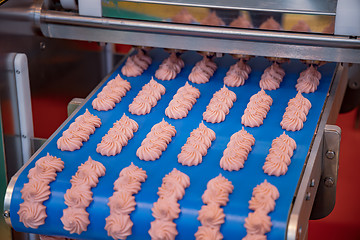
[237, 151]
[147, 98]
[219, 105]
[202, 71]
[156, 141]
[136, 64]
[170, 67]
[272, 77]
[196, 146]
[78, 132]
[182, 102]
[32, 212]
[295, 113]
[166, 209]
[111, 94]
[211, 215]
[122, 202]
[237, 74]
[279, 157]
[257, 109]
[75, 218]
[309, 80]
[117, 137]
[258, 223]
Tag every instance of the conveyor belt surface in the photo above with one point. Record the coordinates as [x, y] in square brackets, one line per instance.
[244, 180]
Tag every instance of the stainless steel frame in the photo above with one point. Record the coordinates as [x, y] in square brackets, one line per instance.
[65, 25]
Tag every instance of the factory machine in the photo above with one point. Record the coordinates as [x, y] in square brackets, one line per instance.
[323, 34]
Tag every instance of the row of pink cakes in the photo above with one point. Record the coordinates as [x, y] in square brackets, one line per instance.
[258, 223]
[182, 102]
[205, 68]
[202, 71]
[32, 212]
[122, 202]
[196, 146]
[167, 208]
[75, 217]
[211, 215]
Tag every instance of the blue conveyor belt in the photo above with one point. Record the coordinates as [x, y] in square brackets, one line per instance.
[244, 180]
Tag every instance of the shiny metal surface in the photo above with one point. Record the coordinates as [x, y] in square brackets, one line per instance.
[74, 104]
[326, 194]
[64, 25]
[324, 7]
[309, 182]
[201, 38]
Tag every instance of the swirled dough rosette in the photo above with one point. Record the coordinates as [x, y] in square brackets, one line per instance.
[208, 233]
[147, 98]
[170, 67]
[163, 230]
[166, 209]
[256, 109]
[237, 74]
[182, 102]
[309, 80]
[272, 77]
[32, 212]
[117, 137]
[156, 141]
[295, 113]
[202, 71]
[279, 157]
[237, 151]
[111, 94]
[78, 132]
[212, 215]
[258, 223]
[122, 202]
[196, 146]
[136, 64]
[219, 105]
[75, 218]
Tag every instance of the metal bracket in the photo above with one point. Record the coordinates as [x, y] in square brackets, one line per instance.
[325, 197]
[74, 104]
